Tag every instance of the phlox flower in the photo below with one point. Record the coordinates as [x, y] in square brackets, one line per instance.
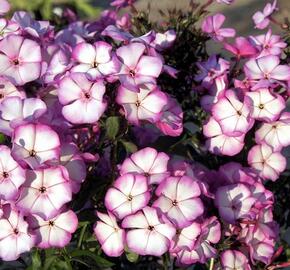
[275, 134]
[262, 18]
[233, 115]
[269, 44]
[8, 89]
[178, 198]
[44, 192]
[148, 162]
[137, 69]
[149, 234]
[41, 30]
[73, 161]
[218, 142]
[124, 22]
[210, 70]
[164, 40]
[58, 63]
[128, 195]
[14, 236]
[228, 2]
[234, 202]
[22, 62]
[234, 260]
[96, 60]
[202, 250]
[268, 162]
[15, 111]
[146, 104]
[4, 7]
[267, 68]
[122, 3]
[185, 238]
[54, 232]
[171, 119]
[212, 26]
[241, 48]
[8, 27]
[82, 99]
[12, 176]
[110, 235]
[266, 106]
[35, 144]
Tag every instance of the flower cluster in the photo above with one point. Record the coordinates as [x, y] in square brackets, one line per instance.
[86, 113]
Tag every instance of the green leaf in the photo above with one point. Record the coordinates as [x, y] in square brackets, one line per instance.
[132, 257]
[129, 146]
[101, 262]
[2, 138]
[36, 261]
[49, 262]
[112, 127]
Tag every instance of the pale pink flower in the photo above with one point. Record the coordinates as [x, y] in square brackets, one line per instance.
[266, 106]
[171, 119]
[8, 27]
[178, 198]
[21, 62]
[234, 202]
[15, 111]
[12, 176]
[128, 195]
[137, 69]
[14, 236]
[268, 162]
[233, 115]
[35, 144]
[185, 238]
[149, 234]
[82, 99]
[122, 3]
[228, 2]
[4, 7]
[44, 192]
[220, 143]
[202, 250]
[212, 26]
[234, 260]
[262, 18]
[73, 161]
[146, 104]
[269, 44]
[164, 40]
[110, 235]
[96, 60]
[148, 162]
[275, 134]
[267, 68]
[54, 232]
[8, 89]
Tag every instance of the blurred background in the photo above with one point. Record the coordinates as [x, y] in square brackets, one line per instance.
[238, 14]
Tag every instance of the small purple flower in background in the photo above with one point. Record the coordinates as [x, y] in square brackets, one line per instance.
[212, 26]
[262, 18]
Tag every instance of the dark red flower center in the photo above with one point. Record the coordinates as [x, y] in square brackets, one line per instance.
[32, 153]
[132, 73]
[42, 189]
[150, 228]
